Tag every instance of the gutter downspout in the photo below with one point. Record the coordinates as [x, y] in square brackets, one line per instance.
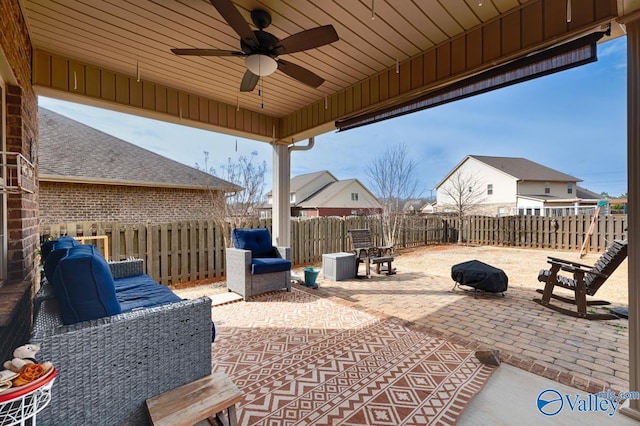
[306, 147]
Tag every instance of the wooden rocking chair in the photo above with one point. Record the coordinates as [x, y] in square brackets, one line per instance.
[368, 253]
[585, 282]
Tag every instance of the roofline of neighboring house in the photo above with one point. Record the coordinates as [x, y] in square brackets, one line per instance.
[355, 180]
[319, 173]
[98, 181]
[505, 173]
[462, 162]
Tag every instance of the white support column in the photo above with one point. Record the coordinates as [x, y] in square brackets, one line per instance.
[633, 214]
[281, 208]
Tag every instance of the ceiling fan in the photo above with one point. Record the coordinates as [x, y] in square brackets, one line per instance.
[261, 49]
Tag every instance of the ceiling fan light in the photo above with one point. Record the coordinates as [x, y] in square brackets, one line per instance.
[261, 65]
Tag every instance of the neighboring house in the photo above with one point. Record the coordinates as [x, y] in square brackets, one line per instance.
[517, 186]
[322, 194]
[412, 207]
[428, 208]
[88, 175]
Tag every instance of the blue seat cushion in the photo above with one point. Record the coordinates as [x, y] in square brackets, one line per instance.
[141, 291]
[267, 265]
[54, 250]
[84, 286]
[257, 240]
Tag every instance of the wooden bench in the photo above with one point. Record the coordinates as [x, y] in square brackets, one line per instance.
[196, 401]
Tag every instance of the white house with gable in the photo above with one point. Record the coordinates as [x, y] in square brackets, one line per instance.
[516, 186]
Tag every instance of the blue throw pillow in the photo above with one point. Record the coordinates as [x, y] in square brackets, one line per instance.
[54, 250]
[257, 240]
[84, 287]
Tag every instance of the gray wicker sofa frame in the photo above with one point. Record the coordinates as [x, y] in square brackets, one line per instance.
[107, 368]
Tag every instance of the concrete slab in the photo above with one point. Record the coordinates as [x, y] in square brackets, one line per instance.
[224, 298]
[510, 397]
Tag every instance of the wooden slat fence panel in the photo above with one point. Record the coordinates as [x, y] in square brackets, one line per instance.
[195, 250]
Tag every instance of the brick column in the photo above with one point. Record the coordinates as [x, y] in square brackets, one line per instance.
[22, 208]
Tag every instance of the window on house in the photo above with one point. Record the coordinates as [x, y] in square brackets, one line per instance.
[570, 188]
[292, 197]
[536, 212]
[490, 189]
[547, 188]
[354, 196]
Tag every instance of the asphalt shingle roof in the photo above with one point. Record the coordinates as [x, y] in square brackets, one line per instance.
[301, 181]
[69, 149]
[321, 197]
[524, 169]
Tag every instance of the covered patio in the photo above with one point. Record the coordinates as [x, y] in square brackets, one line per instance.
[539, 348]
[392, 58]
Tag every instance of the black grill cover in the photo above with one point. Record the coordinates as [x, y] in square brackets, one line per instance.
[480, 276]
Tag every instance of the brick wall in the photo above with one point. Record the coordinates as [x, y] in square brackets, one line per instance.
[71, 202]
[21, 136]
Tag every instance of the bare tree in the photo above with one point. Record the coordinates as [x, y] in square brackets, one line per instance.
[393, 176]
[462, 194]
[239, 208]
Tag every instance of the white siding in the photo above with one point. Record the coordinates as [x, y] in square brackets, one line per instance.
[344, 199]
[557, 189]
[504, 185]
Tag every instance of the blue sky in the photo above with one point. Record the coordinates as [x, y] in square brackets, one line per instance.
[573, 121]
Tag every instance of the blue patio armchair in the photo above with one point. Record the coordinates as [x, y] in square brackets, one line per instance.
[254, 265]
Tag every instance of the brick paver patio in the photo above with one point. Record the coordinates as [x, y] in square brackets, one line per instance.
[588, 355]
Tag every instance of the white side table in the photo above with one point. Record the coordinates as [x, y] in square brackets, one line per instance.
[23, 403]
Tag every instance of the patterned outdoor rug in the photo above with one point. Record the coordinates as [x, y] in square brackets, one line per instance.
[303, 360]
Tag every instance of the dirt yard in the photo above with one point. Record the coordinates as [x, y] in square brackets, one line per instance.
[520, 265]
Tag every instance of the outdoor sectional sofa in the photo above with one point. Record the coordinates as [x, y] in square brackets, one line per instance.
[108, 366]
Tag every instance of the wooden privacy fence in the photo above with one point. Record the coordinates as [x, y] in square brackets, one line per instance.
[195, 250]
[554, 233]
[172, 252]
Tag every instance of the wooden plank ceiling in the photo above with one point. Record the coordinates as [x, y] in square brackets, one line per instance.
[125, 39]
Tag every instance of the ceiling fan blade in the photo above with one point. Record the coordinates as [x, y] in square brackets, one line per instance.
[308, 39]
[207, 52]
[303, 75]
[249, 82]
[234, 18]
